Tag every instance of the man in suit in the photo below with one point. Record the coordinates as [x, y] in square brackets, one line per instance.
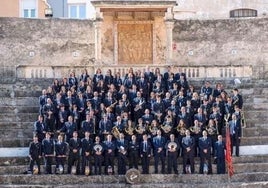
[188, 147]
[48, 152]
[235, 132]
[109, 153]
[35, 153]
[159, 143]
[172, 148]
[61, 149]
[219, 155]
[122, 147]
[205, 145]
[74, 154]
[145, 153]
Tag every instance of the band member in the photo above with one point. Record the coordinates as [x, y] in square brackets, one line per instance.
[48, 111]
[205, 145]
[68, 128]
[105, 127]
[159, 143]
[219, 155]
[158, 109]
[237, 99]
[145, 153]
[172, 148]
[88, 125]
[147, 117]
[61, 149]
[48, 152]
[40, 128]
[97, 150]
[188, 152]
[109, 153]
[235, 132]
[133, 151]
[139, 105]
[122, 147]
[196, 132]
[74, 155]
[35, 154]
[86, 146]
[62, 116]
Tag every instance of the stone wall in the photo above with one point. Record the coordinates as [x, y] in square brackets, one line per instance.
[45, 42]
[232, 42]
[37, 48]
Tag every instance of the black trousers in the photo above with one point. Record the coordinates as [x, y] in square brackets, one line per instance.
[172, 162]
[98, 159]
[48, 164]
[188, 157]
[159, 157]
[122, 163]
[235, 141]
[145, 162]
[86, 161]
[133, 159]
[74, 159]
[35, 161]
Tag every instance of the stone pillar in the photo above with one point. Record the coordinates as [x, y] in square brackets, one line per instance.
[98, 34]
[169, 21]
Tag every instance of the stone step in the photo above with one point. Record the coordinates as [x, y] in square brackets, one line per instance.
[19, 133]
[17, 125]
[18, 109]
[254, 140]
[15, 141]
[20, 117]
[19, 101]
[149, 185]
[238, 168]
[255, 131]
[193, 179]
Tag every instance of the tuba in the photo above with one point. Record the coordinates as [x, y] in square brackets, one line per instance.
[115, 132]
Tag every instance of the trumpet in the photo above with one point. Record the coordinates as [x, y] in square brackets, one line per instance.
[115, 132]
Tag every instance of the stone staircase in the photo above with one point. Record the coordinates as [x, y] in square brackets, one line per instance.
[19, 109]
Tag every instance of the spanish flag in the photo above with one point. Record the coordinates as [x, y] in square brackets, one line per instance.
[228, 155]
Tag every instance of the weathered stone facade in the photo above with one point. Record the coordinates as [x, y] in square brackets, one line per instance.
[48, 48]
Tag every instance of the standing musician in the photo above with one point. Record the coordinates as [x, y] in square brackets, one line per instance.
[172, 148]
[138, 104]
[74, 155]
[61, 149]
[48, 111]
[40, 128]
[205, 145]
[35, 153]
[133, 152]
[89, 125]
[105, 127]
[48, 152]
[97, 150]
[86, 146]
[235, 132]
[219, 155]
[188, 144]
[122, 147]
[159, 143]
[145, 153]
[109, 153]
[237, 99]
[158, 109]
[68, 128]
[140, 129]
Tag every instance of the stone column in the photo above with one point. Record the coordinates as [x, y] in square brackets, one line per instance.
[169, 21]
[98, 34]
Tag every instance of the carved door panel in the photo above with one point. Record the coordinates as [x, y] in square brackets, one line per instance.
[135, 44]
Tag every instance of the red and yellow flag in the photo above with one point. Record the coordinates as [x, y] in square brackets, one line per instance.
[228, 156]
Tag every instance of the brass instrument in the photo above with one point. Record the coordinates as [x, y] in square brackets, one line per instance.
[139, 106]
[166, 128]
[195, 129]
[153, 129]
[112, 105]
[217, 126]
[236, 99]
[140, 130]
[181, 130]
[243, 120]
[172, 146]
[98, 148]
[212, 130]
[122, 150]
[129, 130]
[115, 132]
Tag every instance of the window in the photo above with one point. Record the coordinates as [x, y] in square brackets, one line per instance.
[77, 11]
[243, 13]
[28, 8]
